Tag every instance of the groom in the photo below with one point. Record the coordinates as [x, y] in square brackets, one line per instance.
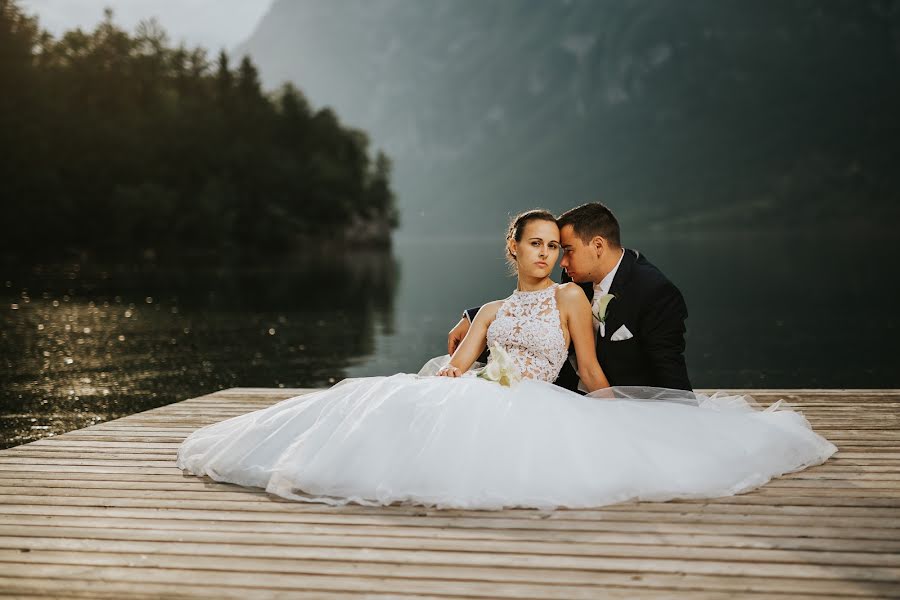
[640, 341]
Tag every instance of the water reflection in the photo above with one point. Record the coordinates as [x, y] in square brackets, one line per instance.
[84, 344]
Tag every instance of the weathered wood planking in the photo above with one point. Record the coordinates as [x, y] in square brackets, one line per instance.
[103, 512]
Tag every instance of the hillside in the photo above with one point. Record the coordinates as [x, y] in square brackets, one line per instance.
[708, 114]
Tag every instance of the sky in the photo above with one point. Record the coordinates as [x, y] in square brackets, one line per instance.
[213, 24]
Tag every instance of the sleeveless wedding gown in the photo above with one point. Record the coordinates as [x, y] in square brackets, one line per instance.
[471, 443]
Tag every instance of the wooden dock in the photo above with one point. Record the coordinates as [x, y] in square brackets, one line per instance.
[103, 512]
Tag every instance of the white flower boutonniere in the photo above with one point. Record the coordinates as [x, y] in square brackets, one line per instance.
[500, 368]
[599, 311]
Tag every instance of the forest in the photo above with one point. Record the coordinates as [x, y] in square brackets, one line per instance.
[123, 145]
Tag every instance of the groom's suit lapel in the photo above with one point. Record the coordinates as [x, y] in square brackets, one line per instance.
[624, 272]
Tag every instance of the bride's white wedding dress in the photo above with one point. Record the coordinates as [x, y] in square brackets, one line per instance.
[471, 443]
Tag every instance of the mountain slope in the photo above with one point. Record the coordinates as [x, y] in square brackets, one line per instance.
[708, 114]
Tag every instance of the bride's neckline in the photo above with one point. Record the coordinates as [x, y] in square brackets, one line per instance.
[551, 286]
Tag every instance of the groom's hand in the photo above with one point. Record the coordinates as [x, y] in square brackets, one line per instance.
[456, 335]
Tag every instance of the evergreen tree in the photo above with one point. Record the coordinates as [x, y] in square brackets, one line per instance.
[115, 142]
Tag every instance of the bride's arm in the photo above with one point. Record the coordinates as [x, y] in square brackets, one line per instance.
[474, 343]
[576, 312]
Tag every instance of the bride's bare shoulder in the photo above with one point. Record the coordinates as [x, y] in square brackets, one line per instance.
[570, 294]
[490, 309]
[487, 312]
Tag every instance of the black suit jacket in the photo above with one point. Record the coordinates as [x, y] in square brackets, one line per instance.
[653, 310]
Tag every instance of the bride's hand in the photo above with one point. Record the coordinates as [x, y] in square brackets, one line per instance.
[449, 371]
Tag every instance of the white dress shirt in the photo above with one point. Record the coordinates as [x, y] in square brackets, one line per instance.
[603, 288]
[599, 289]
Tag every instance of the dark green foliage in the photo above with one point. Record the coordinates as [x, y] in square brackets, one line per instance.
[115, 143]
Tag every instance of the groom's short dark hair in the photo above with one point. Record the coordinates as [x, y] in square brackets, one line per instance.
[590, 220]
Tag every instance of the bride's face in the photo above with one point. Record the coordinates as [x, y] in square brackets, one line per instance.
[537, 251]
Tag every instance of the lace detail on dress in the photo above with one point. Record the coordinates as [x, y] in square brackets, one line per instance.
[527, 326]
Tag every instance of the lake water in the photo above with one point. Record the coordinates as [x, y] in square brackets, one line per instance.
[83, 343]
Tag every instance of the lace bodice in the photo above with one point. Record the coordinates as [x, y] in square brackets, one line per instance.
[527, 326]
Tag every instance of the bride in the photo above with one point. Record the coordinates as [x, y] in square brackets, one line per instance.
[504, 435]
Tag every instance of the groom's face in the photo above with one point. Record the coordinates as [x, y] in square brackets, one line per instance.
[578, 259]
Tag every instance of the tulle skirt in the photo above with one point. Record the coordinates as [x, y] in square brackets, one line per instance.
[470, 443]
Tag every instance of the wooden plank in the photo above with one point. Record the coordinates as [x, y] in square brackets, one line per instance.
[103, 468]
[404, 578]
[620, 512]
[251, 503]
[289, 533]
[662, 526]
[67, 442]
[322, 587]
[98, 455]
[10, 459]
[31, 588]
[495, 566]
[510, 553]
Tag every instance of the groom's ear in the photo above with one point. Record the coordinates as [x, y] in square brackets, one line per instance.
[598, 243]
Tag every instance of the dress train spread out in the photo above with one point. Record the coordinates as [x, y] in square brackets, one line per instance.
[471, 443]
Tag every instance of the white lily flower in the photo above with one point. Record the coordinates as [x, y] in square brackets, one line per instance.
[501, 368]
[602, 303]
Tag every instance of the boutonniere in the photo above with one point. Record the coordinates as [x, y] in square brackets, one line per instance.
[599, 311]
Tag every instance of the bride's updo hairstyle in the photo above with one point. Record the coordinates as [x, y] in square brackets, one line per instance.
[517, 228]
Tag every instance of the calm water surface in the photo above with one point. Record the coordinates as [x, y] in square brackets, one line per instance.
[83, 343]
